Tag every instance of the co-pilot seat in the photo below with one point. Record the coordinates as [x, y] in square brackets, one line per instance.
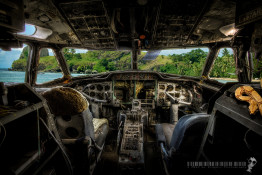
[180, 143]
[83, 135]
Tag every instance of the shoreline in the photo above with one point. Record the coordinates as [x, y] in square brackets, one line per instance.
[231, 79]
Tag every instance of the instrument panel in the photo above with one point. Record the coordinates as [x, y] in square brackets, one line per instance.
[109, 93]
[175, 90]
[124, 91]
[100, 91]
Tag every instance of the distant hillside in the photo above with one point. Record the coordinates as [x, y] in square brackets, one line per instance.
[20, 64]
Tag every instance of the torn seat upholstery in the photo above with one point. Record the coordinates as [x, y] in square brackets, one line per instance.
[83, 135]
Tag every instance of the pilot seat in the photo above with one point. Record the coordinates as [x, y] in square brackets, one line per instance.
[82, 135]
[180, 143]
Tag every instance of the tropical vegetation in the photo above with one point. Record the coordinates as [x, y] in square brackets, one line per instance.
[190, 63]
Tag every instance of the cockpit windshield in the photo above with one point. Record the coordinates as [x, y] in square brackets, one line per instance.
[187, 62]
[82, 61]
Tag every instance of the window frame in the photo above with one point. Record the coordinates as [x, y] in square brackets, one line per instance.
[38, 63]
[214, 62]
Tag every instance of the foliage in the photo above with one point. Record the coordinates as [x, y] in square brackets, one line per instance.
[99, 61]
[190, 64]
[24, 53]
[48, 64]
[19, 65]
[257, 72]
[224, 66]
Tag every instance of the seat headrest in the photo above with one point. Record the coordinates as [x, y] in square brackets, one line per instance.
[65, 101]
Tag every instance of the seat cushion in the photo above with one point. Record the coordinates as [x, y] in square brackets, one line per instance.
[100, 129]
[168, 131]
[98, 122]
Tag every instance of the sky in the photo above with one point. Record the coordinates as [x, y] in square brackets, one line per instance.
[29, 30]
[7, 57]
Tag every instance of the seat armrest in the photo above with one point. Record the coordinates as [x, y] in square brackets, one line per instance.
[86, 141]
[160, 136]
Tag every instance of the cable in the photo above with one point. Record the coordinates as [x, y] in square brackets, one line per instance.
[4, 134]
[38, 134]
[60, 146]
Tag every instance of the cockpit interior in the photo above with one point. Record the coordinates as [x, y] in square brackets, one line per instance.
[132, 121]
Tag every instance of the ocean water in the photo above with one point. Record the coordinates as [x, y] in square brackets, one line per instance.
[19, 77]
[225, 81]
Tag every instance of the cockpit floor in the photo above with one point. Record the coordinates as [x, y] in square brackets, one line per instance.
[153, 164]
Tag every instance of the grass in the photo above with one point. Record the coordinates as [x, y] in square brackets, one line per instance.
[159, 61]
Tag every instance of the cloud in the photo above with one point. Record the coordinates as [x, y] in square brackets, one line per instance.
[17, 49]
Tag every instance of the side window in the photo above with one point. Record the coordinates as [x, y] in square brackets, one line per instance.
[257, 68]
[13, 64]
[48, 68]
[224, 69]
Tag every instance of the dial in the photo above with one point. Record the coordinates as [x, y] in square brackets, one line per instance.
[169, 88]
[92, 87]
[162, 87]
[107, 87]
[99, 87]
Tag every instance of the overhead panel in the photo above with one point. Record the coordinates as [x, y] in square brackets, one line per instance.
[176, 20]
[90, 21]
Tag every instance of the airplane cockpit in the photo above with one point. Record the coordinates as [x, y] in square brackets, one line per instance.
[103, 92]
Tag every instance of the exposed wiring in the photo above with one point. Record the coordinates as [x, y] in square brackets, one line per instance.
[60, 146]
[245, 139]
[4, 134]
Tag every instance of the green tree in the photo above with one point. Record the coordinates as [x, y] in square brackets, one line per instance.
[19, 65]
[67, 54]
[225, 52]
[24, 53]
[224, 66]
[190, 64]
[78, 56]
[80, 69]
[73, 51]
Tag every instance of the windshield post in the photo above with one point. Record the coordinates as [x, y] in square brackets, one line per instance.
[210, 60]
[61, 61]
[134, 59]
[33, 59]
[133, 32]
[242, 69]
